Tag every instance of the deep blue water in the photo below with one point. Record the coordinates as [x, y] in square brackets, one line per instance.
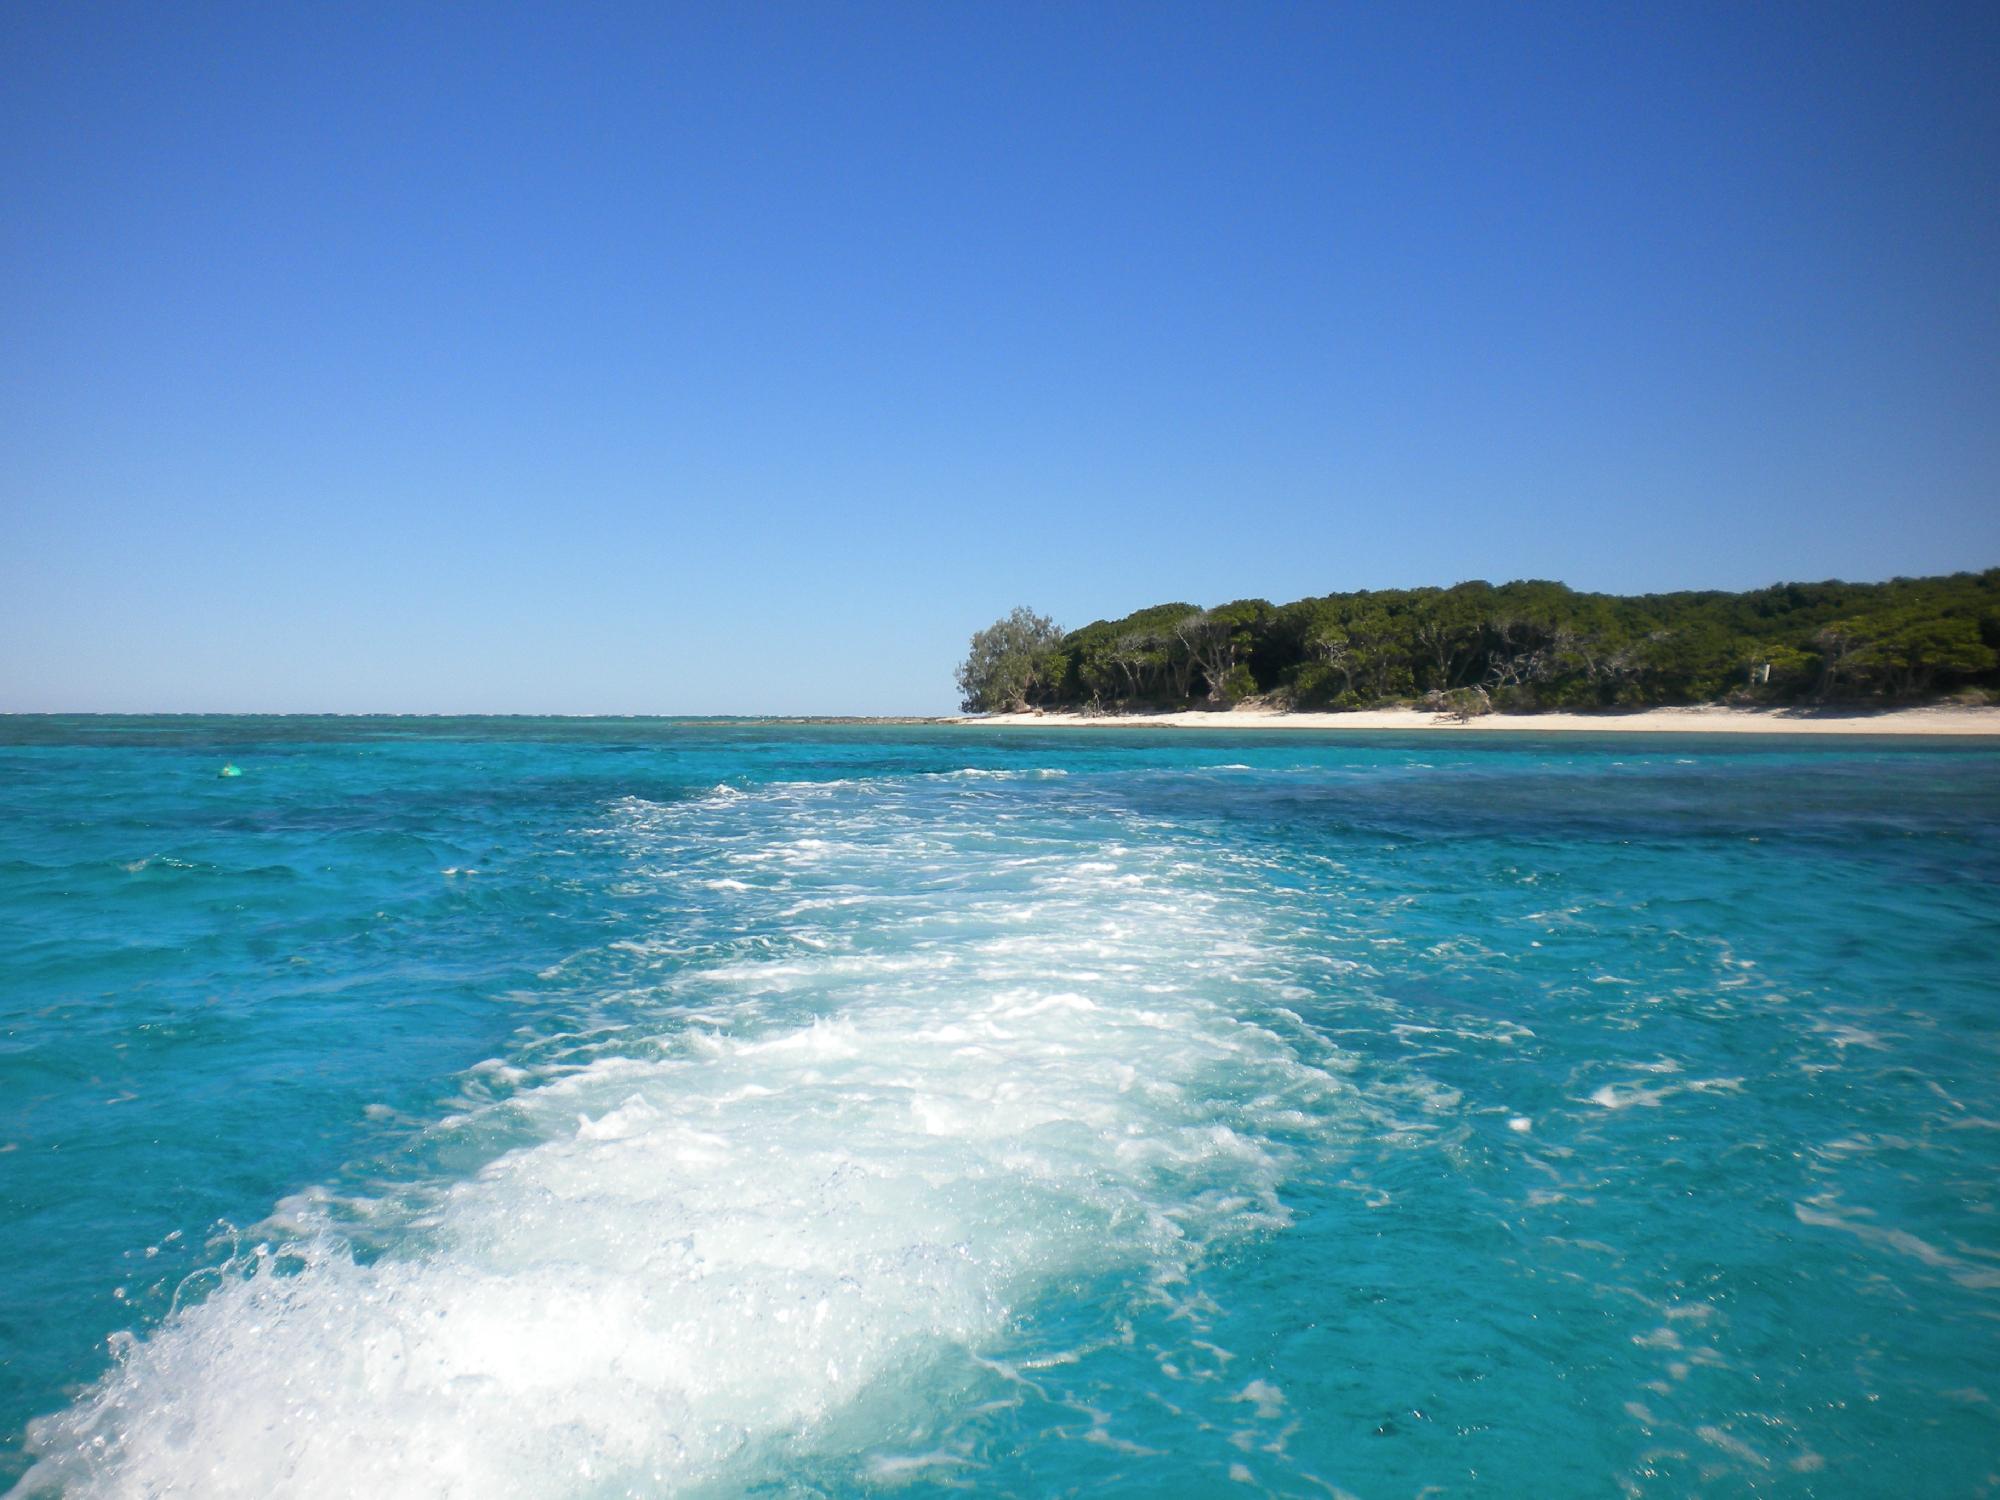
[518, 1107]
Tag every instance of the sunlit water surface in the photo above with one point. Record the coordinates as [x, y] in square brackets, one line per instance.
[534, 1108]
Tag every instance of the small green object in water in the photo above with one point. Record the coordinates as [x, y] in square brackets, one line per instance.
[231, 771]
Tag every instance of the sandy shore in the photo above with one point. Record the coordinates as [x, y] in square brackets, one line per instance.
[1709, 719]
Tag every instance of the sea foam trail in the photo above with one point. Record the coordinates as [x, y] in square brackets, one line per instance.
[730, 1244]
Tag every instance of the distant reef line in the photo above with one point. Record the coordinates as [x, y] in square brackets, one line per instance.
[1477, 649]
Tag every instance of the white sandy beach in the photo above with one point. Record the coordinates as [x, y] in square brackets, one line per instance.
[1706, 719]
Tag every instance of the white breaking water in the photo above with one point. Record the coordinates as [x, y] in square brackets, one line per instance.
[870, 1148]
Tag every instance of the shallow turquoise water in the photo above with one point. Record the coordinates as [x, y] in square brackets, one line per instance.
[523, 1107]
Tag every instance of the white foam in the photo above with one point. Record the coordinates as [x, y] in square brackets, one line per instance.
[1614, 1098]
[984, 773]
[721, 1235]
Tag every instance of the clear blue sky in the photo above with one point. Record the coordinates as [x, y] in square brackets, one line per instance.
[737, 358]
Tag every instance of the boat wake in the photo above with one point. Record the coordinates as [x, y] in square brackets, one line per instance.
[863, 1137]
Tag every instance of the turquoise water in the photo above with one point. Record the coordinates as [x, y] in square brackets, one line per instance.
[514, 1107]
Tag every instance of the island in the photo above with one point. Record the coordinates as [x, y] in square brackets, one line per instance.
[1910, 655]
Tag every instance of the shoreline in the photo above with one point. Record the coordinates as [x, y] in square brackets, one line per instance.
[1931, 721]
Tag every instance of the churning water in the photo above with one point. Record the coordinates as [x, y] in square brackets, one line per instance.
[517, 1108]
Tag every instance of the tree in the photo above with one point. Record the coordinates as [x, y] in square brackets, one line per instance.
[1912, 653]
[1218, 642]
[1332, 649]
[1447, 632]
[1381, 659]
[1011, 660]
[1843, 652]
[1138, 657]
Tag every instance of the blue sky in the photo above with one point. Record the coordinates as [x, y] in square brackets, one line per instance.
[747, 358]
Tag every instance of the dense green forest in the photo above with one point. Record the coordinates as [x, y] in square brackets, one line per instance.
[1515, 648]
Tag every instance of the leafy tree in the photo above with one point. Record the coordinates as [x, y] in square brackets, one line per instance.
[1913, 653]
[1843, 648]
[1010, 661]
[1219, 642]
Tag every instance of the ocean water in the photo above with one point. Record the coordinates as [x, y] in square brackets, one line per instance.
[496, 1108]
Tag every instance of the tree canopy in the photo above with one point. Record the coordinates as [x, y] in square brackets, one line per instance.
[1012, 663]
[1525, 646]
